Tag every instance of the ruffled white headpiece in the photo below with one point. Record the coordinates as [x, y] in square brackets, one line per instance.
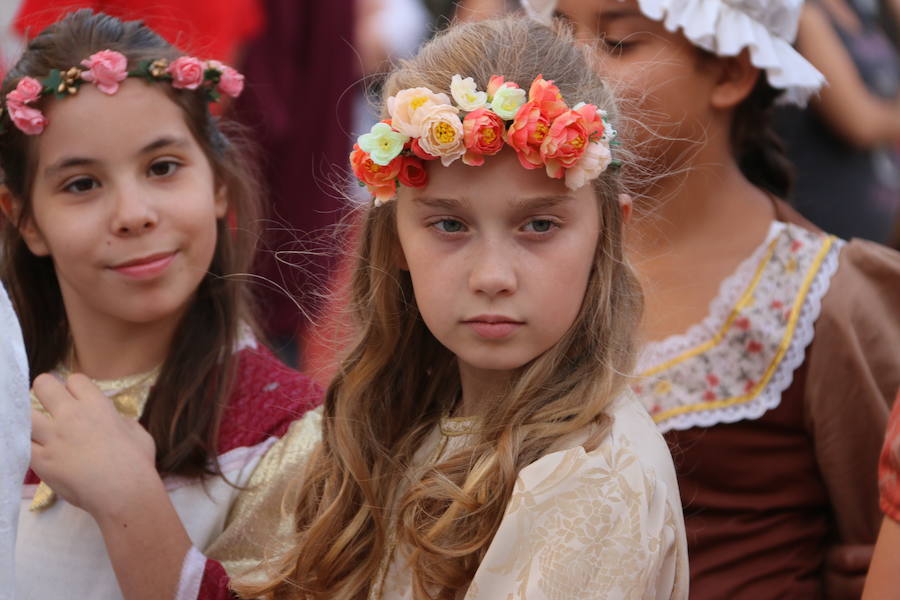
[725, 27]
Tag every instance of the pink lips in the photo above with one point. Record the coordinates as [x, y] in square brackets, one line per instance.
[146, 267]
[493, 327]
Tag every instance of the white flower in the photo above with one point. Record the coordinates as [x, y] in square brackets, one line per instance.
[466, 95]
[382, 143]
[592, 163]
[507, 100]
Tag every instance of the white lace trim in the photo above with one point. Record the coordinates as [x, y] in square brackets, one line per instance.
[731, 290]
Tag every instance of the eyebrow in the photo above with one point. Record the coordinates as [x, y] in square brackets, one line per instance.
[83, 161]
[532, 203]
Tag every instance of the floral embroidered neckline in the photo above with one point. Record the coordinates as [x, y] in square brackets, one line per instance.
[737, 361]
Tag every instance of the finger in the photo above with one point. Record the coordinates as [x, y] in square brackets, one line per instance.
[41, 426]
[81, 387]
[850, 559]
[50, 392]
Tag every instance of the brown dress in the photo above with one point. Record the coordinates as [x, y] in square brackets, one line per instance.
[774, 408]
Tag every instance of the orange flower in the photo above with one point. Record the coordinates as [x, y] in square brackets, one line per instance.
[483, 136]
[527, 133]
[565, 143]
[593, 120]
[381, 180]
[547, 97]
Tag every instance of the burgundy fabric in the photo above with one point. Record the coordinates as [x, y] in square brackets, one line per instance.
[214, 585]
[298, 104]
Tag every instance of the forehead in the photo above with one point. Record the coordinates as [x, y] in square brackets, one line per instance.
[501, 176]
[102, 125]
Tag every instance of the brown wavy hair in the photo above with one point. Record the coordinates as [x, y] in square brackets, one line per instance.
[186, 404]
[392, 388]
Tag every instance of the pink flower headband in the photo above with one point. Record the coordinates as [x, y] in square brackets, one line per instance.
[571, 143]
[106, 69]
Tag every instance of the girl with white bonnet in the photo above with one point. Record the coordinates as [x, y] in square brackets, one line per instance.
[15, 408]
[769, 348]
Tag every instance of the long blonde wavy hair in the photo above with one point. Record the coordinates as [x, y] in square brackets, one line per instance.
[392, 387]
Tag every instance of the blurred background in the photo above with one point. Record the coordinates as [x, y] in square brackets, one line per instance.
[312, 67]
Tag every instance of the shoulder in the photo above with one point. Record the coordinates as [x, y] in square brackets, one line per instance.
[632, 463]
[868, 273]
[267, 396]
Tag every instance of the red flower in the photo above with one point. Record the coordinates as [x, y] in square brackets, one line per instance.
[712, 380]
[777, 305]
[709, 395]
[417, 150]
[754, 347]
[380, 180]
[483, 136]
[412, 172]
[748, 387]
[796, 245]
[742, 323]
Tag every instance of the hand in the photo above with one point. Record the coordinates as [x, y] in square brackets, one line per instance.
[85, 450]
[846, 567]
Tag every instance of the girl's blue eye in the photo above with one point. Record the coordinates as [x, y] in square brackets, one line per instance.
[540, 225]
[449, 226]
[164, 168]
[81, 185]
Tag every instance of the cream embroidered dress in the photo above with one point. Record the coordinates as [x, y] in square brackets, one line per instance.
[600, 524]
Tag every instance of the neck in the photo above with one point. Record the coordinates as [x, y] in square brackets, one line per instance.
[114, 350]
[707, 198]
[480, 389]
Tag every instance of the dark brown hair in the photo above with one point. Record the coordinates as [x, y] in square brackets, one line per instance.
[186, 403]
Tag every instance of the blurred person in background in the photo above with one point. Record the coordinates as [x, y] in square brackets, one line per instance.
[845, 145]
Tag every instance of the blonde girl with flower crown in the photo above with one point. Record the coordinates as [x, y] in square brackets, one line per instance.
[129, 213]
[769, 348]
[479, 439]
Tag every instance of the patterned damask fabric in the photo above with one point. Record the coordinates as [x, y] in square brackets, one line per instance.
[735, 364]
[15, 428]
[584, 525]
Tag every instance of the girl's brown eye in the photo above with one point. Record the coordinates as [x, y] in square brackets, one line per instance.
[163, 168]
[81, 185]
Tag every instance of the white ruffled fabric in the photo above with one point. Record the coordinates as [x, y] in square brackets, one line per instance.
[725, 27]
[15, 437]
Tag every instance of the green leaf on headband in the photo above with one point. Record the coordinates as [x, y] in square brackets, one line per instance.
[51, 83]
[212, 75]
[213, 95]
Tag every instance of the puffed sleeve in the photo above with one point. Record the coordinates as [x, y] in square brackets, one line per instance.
[889, 467]
[852, 375]
[599, 524]
[259, 524]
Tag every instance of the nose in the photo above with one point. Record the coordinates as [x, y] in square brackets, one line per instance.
[133, 211]
[493, 271]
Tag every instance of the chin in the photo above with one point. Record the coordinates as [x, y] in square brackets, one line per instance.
[495, 361]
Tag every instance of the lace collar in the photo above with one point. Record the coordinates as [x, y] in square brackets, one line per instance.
[737, 361]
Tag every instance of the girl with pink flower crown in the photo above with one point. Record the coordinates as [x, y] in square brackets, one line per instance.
[769, 350]
[131, 215]
[479, 439]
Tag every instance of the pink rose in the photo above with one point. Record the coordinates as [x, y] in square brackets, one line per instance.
[527, 133]
[105, 69]
[231, 83]
[186, 72]
[483, 136]
[27, 90]
[547, 97]
[29, 120]
[565, 143]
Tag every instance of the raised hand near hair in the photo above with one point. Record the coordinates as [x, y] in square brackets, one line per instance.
[85, 450]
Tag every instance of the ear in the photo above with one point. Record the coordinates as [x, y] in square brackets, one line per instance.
[626, 204]
[221, 201]
[33, 237]
[737, 78]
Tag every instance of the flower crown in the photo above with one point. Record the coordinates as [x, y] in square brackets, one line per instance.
[106, 69]
[570, 143]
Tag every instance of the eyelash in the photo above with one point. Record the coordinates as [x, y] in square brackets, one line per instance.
[69, 187]
[553, 224]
